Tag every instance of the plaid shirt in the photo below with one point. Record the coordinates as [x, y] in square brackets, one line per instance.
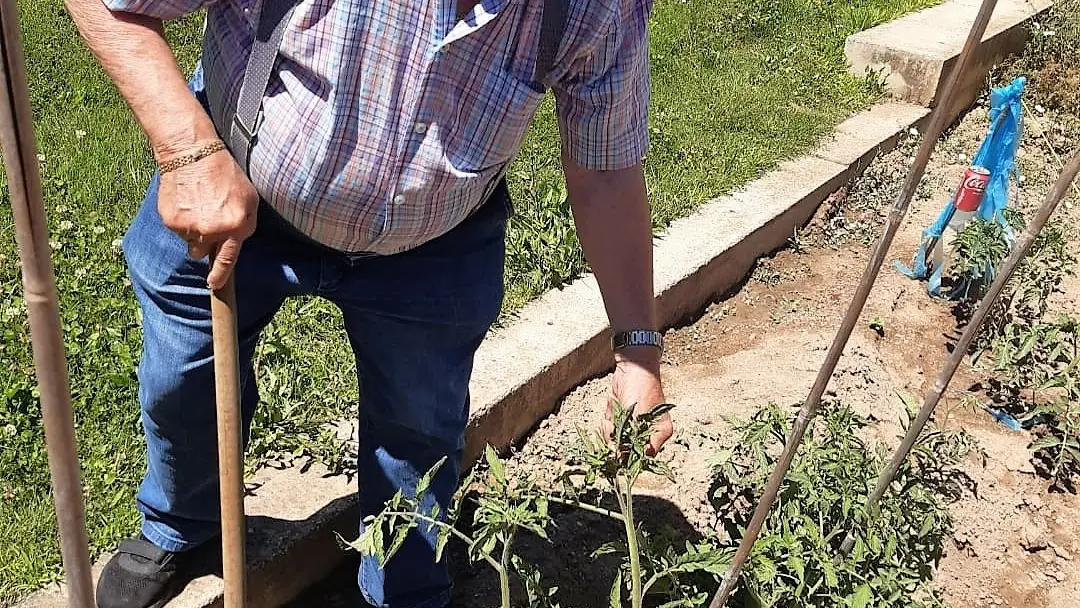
[387, 123]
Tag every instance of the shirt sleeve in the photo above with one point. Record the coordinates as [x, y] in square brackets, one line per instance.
[602, 100]
[158, 9]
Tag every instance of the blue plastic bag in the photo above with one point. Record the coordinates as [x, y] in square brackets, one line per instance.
[997, 154]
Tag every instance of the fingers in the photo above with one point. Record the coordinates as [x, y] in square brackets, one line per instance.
[663, 432]
[198, 248]
[223, 263]
[607, 427]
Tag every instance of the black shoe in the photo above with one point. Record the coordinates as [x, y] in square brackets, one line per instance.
[143, 575]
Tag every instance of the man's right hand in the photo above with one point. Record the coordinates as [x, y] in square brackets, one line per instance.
[212, 205]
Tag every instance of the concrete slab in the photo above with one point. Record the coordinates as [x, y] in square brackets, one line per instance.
[856, 141]
[555, 343]
[916, 52]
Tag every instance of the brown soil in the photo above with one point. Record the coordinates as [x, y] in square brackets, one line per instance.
[1015, 544]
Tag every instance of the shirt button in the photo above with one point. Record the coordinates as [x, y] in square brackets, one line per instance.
[399, 199]
[420, 128]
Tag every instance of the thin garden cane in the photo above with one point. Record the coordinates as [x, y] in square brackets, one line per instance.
[809, 408]
[39, 283]
[230, 445]
[1023, 244]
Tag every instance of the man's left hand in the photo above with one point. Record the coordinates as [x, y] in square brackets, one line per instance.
[636, 382]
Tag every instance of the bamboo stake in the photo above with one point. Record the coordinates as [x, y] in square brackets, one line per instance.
[1023, 244]
[39, 283]
[851, 317]
[230, 444]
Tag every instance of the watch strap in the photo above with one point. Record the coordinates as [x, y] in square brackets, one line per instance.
[637, 337]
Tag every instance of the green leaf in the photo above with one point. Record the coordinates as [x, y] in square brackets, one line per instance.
[1046, 441]
[1025, 348]
[615, 597]
[400, 534]
[424, 482]
[927, 524]
[1073, 453]
[607, 549]
[440, 543]
[766, 567]
[377, 542]
[830, 573]
[861, 597]
[495, 464]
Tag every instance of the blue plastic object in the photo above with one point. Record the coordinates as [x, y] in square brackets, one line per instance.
[997, 154]
[1004, 417]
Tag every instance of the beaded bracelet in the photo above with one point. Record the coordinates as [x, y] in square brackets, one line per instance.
[187, 159]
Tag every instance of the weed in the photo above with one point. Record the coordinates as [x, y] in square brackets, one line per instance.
[878, 326]
[793, 562]
[1051, 57]
[798, 241]
[786, 308]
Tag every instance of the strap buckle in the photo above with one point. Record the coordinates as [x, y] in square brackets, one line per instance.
[247, 133]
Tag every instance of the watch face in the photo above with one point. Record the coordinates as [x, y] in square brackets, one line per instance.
[639, 337]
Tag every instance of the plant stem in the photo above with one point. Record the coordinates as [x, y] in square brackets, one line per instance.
[652, 581]
[627, 503]
[504, 571]
[587, 507]
[458, 533]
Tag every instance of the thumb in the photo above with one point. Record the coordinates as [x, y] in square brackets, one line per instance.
[224, 262]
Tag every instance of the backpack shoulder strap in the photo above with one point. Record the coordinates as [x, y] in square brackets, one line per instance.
[552, 27]
[270, 27]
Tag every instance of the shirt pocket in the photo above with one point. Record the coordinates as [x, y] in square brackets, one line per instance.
[490, 122]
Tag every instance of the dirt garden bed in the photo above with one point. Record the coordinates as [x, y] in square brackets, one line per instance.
[1012, 541]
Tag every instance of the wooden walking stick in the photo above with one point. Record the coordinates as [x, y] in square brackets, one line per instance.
[851, 317]
[1023, 244]
[230, 444]
[39, 283]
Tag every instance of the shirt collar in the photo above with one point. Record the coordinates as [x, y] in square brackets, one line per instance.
[481, 14]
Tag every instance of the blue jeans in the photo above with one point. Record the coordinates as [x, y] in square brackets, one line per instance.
[414, 321]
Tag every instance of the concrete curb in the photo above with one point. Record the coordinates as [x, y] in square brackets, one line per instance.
[555, 344]
[915, 53]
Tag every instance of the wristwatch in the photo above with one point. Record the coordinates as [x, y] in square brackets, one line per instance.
[637, 337]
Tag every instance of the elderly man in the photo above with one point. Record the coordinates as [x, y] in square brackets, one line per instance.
[356, 150]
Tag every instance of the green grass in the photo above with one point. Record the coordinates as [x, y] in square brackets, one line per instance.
[737, 88]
